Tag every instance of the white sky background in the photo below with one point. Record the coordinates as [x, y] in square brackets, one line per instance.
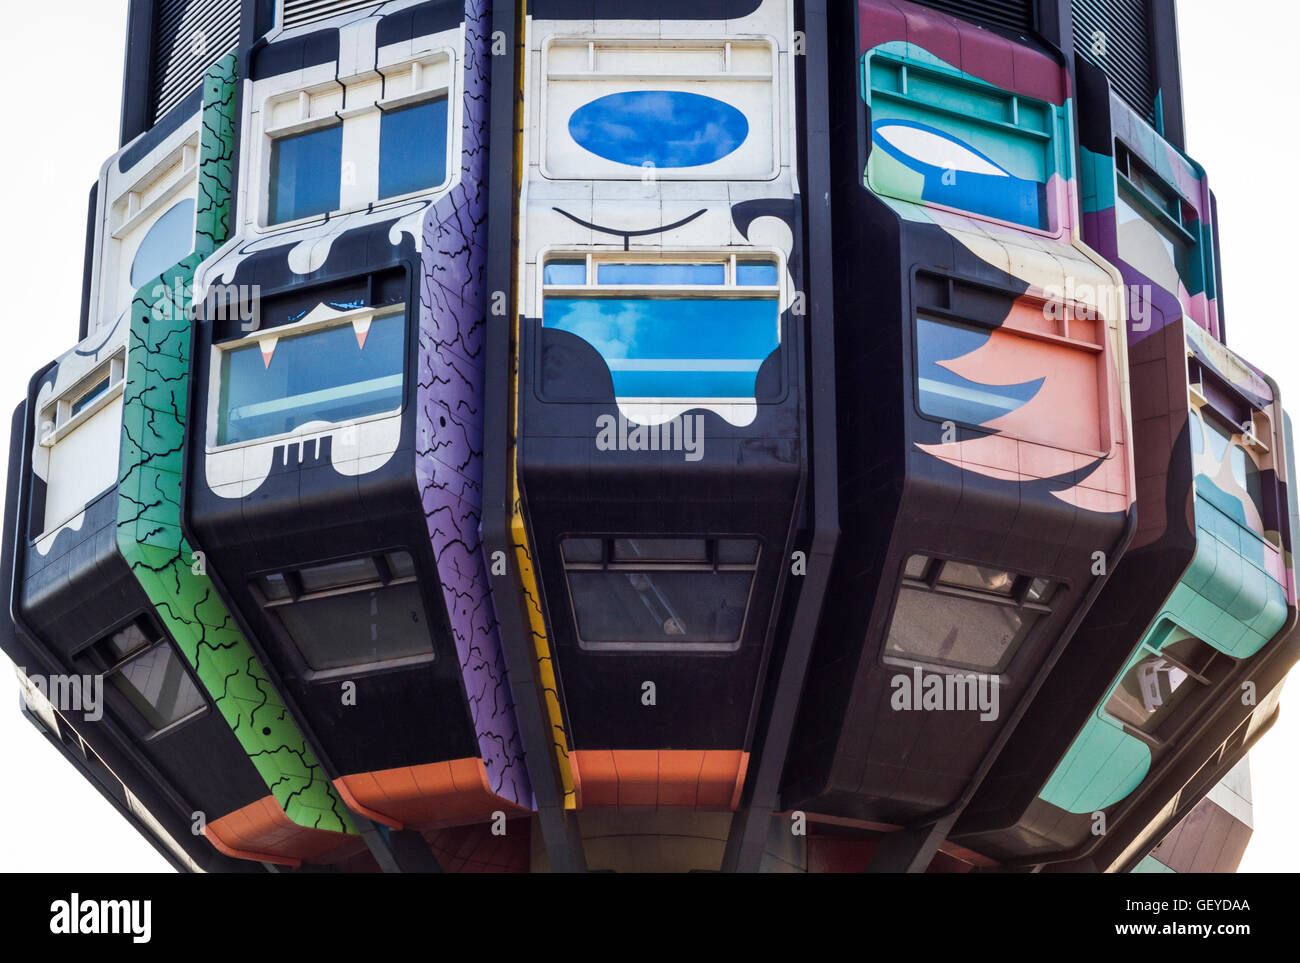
[56, 822]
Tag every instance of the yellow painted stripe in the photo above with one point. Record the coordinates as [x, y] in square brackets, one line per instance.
[518, 527]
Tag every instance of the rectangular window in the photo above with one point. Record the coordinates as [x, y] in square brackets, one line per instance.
[670, 330]
[355, 612]
[962, 376]
[690, 109]
[140, 663]
[413, 148]
[1150, 694]
[346, 145]
[964, 615]
[306, 170]
[276, 385]
[659, 592]
[947, 140]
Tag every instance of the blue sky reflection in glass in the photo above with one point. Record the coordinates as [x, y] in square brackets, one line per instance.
[306, 174]
[676, 346]
[659, 128]
[413, 148]
[325, 376]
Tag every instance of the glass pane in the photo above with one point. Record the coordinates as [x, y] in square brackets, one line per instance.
[169, 240]
[326, 377]
[756, 273]
[659, 606]
[565, 272]
[916, 566]
[977, 577]
[658, 273]
[125, 641]
[158, 687]
[305, 173]
[275, 587]
[945, 394]
[661, 550]
[413, 148]
[1148, 693]
[584, 550]
[80, 404]
[941, 629]
[1040, 591]
[737, 551]
[1220, 439]
[355, 571]
[401, 565]
[1196, 428]
[673, 347]
[359, 628]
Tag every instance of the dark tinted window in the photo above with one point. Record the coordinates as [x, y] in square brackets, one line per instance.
[413, 148]
[306, 170]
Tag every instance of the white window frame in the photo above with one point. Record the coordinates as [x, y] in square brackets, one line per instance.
[428, 77]
[306, 326]
[725, 45]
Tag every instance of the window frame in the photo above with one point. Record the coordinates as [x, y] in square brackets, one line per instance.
[1058, 138]
[728, 290]
[326, 105]
[387, 578]
[609, 563]
[91, 655]
[1100, 349]
[930, 582]
[303, 327]
[1185, 711]
[775, 79]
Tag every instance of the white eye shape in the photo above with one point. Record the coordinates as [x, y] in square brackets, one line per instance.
[936, 150]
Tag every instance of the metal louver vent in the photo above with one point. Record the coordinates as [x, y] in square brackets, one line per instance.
[299, 12]
[189, 36]
[1115, 35]
[1014, 14]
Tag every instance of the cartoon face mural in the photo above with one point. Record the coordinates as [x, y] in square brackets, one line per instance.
[996, 174]
[659, 273]
[359, 382]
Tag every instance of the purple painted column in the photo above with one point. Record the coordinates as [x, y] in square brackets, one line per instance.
[449, 462]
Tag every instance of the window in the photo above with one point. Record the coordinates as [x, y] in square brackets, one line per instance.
[140, 663]
[945, 139]
[964, 615]
[277, 384]
[961, 370]
[413, 148]
[169, 240]
[305, 174]
[1178, 674]
[321, 157]
[1215, 443]
[659, 593]
[690, 109]
[670, 330]
[80, 435]
[353, 612]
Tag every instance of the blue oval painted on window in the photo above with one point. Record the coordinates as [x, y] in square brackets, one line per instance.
[663, 128]
[169, 240]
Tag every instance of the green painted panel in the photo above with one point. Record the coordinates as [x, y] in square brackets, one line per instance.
[149, 529]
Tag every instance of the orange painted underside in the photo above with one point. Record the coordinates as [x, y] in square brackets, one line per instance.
[656, 780]
[448, 793]
[263, 833]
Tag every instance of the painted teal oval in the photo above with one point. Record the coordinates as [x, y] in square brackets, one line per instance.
[660, 128]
